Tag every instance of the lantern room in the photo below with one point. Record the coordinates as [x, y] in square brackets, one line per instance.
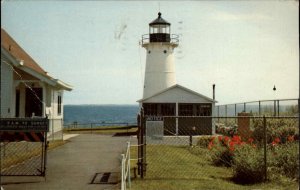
[159, 30]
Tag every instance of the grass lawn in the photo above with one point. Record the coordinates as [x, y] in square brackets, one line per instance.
[18, 152]
[175, 167]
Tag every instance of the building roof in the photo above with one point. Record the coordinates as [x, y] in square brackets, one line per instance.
[181, 88]
[12, 49]
[159, 21]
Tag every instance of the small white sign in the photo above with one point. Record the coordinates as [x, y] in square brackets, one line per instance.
[154, 130]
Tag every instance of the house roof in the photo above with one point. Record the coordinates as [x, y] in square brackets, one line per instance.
[180, 87]
[26, 63]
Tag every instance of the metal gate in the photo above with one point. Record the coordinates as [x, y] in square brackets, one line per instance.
[162, 135]
[23, 144]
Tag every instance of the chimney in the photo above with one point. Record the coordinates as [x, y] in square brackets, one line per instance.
[214, 91]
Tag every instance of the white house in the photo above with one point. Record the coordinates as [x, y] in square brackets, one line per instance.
[177, 101]
[27, 90]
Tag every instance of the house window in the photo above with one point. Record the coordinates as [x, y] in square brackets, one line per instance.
[203, 109]
[168, 109]
[185, 109]
[150, 109]
[59, 104]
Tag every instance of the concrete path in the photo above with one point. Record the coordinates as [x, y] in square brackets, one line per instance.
[74, 165]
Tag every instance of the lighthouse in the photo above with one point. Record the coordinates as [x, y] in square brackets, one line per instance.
[160, 68]
[163, 97]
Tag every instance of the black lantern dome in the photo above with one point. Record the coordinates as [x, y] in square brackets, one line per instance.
[159, 30]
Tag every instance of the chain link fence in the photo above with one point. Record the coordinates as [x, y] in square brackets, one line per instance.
[219, 152]
[22, 158]
[280, 107]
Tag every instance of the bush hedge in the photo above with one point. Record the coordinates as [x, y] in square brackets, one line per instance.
[285, 158]
[276, 128]
[248, 165]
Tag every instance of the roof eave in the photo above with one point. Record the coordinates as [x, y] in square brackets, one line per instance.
[174, 86]
[38, 75]
[64, 85]
[49, 80]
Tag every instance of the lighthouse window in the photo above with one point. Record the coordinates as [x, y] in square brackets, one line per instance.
[149, 51]
[165, 51]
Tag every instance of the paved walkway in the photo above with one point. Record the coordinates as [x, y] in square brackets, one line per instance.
[74, 165]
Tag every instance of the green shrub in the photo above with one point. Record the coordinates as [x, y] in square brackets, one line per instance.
[286, 159]
[199, 151]
[204, 141]
[226, 130]
[281, 128]
[221, 156]
[220, 151]
[248, 165]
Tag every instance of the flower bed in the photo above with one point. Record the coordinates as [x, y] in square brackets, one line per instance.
[247, 158]
[226, 130]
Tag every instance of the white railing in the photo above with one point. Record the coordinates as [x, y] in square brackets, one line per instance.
[125, 169]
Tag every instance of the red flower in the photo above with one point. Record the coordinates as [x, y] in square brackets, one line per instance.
[220, 138]
[291, 138]
[210, 145]
[250, 140]
[226, 139]
[213, 138]
[231, 144]
[236, 138]
[277, 140]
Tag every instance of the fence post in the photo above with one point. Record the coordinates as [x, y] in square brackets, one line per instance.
[128, 170]
[234, 110]
[218, 114]
[274, 107]
[265, 147]
[226, 115]
[143, 144]
[259, 111]
[122, 173]
[278, 108]
[139, 141]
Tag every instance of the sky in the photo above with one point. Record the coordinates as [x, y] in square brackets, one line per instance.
[243, 47]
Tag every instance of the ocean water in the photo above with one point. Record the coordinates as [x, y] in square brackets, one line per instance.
[84, 114]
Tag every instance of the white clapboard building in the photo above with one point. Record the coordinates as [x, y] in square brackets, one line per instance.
[27, 90]
[162, 96]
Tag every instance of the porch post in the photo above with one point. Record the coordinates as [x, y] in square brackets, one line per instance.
[44, 98]
[22, 100]
[177, 111]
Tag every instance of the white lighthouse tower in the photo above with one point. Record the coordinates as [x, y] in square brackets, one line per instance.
[160, 68]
